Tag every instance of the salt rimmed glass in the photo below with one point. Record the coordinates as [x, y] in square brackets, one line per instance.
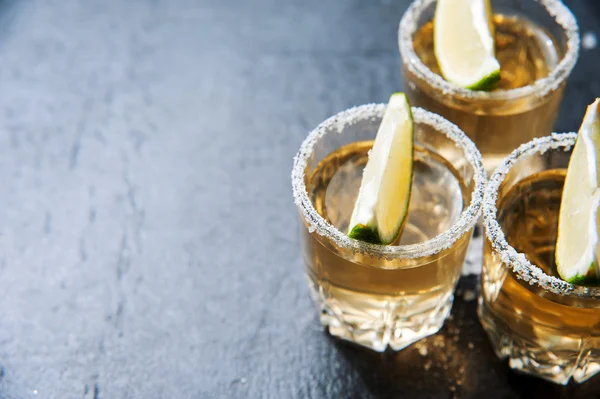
[500, 120]
[375, 295]
[544, 326]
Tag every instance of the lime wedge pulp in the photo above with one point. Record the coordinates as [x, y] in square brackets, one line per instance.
[577, 241]
[464, 43]
[382, 204]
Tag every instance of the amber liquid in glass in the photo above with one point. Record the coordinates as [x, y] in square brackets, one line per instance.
[526, 53]
[379, 302]
[515, 314]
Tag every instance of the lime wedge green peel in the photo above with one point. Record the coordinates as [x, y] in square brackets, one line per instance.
[577, 245]
[382, 204]
[464, 43]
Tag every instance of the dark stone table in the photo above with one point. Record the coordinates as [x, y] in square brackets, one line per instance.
[148, 238]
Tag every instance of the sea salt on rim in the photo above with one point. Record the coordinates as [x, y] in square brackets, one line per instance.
[514, 260]
[555, 8]
[336, 125]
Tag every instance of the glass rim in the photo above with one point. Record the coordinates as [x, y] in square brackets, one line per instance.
[511, 258]
[541, 87]
[335, 125]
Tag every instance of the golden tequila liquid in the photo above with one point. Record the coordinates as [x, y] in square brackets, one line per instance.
[373, 301]
[526, 53]
[540, 336]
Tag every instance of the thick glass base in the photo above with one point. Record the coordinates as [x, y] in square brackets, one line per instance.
[378, 323]
[529, 356]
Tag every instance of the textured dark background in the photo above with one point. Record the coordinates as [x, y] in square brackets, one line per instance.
[148, 238]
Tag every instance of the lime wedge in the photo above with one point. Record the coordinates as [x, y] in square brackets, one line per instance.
[464, 43]
[577, 241]
[382, 204]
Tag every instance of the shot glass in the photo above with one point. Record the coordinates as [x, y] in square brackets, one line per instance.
[537, 45]
[545, 326]
[374, 295]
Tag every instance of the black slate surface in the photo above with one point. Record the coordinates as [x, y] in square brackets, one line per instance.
[148, 240]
